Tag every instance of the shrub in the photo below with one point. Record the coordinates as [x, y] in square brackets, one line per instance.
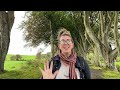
[16, 57]
[13, 58]
[38, 56]
[118, 67]
[118, 59]
[90, 56]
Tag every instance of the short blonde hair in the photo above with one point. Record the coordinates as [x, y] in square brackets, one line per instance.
[62, 32]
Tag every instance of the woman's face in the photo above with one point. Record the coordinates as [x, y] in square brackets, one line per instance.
[65, 44]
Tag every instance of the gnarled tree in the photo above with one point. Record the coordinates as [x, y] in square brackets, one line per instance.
[102, 40]
[6, 23]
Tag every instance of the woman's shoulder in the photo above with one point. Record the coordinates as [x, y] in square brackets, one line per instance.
[81, 61]
[55, 58]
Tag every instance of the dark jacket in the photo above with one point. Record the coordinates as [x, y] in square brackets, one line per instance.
[81, 64]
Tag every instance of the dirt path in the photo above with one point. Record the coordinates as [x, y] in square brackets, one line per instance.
[96, 74]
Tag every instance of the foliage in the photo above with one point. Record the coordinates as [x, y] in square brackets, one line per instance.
[108, 74]
[16, 57]
[38, 56]
[24, 57]
[40, 25]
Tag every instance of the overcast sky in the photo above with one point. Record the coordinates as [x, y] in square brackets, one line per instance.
[17, 43]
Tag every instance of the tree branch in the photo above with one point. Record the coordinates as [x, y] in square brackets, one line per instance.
[89, 31]
[116, 31]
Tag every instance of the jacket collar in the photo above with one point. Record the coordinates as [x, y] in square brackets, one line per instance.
[57, 58]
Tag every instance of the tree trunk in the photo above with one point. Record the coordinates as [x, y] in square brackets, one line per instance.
[103, 46]
[114, 65]
[52, 41]
[6, 23]
[96, 57]
[116, 33]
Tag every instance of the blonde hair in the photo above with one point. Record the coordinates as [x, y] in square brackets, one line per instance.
[62, 32]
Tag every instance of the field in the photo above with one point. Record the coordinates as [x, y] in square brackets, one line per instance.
[29, 69]
[20, 69]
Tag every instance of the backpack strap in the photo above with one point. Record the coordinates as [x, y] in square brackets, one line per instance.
[56, 63]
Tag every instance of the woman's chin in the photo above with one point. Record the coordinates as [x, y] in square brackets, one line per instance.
[66, 51]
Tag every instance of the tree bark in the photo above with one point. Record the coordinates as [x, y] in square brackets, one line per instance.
[103, 46]
[52, 41]
[116, 32]
[6, 23]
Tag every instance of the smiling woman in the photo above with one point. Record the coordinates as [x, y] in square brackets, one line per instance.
[67, 64]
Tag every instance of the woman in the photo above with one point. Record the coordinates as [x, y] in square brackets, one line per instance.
[66, 65]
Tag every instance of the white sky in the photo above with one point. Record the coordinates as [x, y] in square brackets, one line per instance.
[17, 43]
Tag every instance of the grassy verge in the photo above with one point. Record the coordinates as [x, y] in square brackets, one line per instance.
[20, 70]
[104, 73]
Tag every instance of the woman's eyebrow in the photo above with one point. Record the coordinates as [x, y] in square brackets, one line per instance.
[67, 39]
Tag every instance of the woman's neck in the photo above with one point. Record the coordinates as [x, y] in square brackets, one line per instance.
[67, 54]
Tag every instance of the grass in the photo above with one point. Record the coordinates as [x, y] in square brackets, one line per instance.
[95, 67]
[29, 69]
[118, 63]
[20, 70]
[108, 74]
[25, 57]
[8, 57]
[14, 65]
[28, 57]
[105, 73]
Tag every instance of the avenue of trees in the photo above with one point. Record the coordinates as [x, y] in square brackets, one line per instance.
[92, 31]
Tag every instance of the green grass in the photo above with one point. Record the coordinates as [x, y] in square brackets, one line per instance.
[25, 57]
[28, 57]
[118, 63]
[25, 69]
[14, 65]
[20, 70]
[108, 74]
[94, 67]
[8, 57]
[29, 69]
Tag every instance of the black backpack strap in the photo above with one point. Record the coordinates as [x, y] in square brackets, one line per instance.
[56, 64]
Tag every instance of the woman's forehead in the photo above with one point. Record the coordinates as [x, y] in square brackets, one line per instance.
[65, 37]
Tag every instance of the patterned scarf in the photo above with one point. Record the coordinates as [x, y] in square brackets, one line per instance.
[71, 60]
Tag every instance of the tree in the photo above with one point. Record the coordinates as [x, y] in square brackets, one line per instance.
[42, 27]
[6, 23]
[102, 44]
[18, 57]
[38, 56]
[90, 31]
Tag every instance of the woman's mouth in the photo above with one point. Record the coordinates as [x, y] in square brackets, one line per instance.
[66, 48]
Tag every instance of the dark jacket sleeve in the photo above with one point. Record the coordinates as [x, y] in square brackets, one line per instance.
[87, 73]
